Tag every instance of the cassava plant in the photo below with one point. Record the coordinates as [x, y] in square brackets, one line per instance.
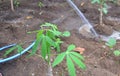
[102, 8]
[48, 37]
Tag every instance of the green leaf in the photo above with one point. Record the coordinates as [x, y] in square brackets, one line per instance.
[111, 42]
[58, 59]
[77, 55]
[50, 25]
[58, 42]
[37, 43]
[70, 47]
[43, 48]
[10, 50]
[58, 47]
[66, 33]
[40, 32]
[19, 48]
[71, 67]
[95, 1]
[117, 52]
[78, 61]
[57, 33]
[50, 34]
[50, 41]
[105, 11]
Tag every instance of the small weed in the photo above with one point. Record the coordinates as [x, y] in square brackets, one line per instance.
[18, 47]
[117, 52]
[16, 3]
[111, 43]
[40, 4]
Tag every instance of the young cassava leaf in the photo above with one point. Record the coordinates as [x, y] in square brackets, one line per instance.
[111, 42]
[70, 47]
[58, 59]
[78, 61]
[58, 42]
[43, 48]
[10, 50]
[77, 55]
[50, 41]
[54, 27]
[19, 48]
[70, 66]
[117, 52]
[66, 34]
[56, 33]
[37, 43]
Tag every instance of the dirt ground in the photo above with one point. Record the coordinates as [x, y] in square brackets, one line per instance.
[28, 16]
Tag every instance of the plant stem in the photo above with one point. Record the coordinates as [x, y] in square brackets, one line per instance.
[101, 15]
[12, 6]
[50, 73]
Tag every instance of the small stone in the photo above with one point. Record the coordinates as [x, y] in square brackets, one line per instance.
[104, 46]
[33, 74]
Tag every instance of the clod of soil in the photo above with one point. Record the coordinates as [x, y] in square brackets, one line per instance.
[104, 29]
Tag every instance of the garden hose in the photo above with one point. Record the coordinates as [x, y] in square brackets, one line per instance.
[8, 46]
[16, 55]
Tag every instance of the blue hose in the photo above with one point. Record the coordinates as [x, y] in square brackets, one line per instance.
[5, 47]
[16, 55]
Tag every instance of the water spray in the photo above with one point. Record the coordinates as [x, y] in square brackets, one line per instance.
[80, 14]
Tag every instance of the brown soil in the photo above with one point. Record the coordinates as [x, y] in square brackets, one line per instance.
[28, 16]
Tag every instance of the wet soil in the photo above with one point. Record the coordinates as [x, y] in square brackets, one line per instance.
[28, 16]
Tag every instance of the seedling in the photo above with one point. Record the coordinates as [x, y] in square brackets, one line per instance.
[16, 3]
[18, 47]
[117, 52]
[40, 4]
[111, 43]
[102, 8]
[47, 37]
[72, 58]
